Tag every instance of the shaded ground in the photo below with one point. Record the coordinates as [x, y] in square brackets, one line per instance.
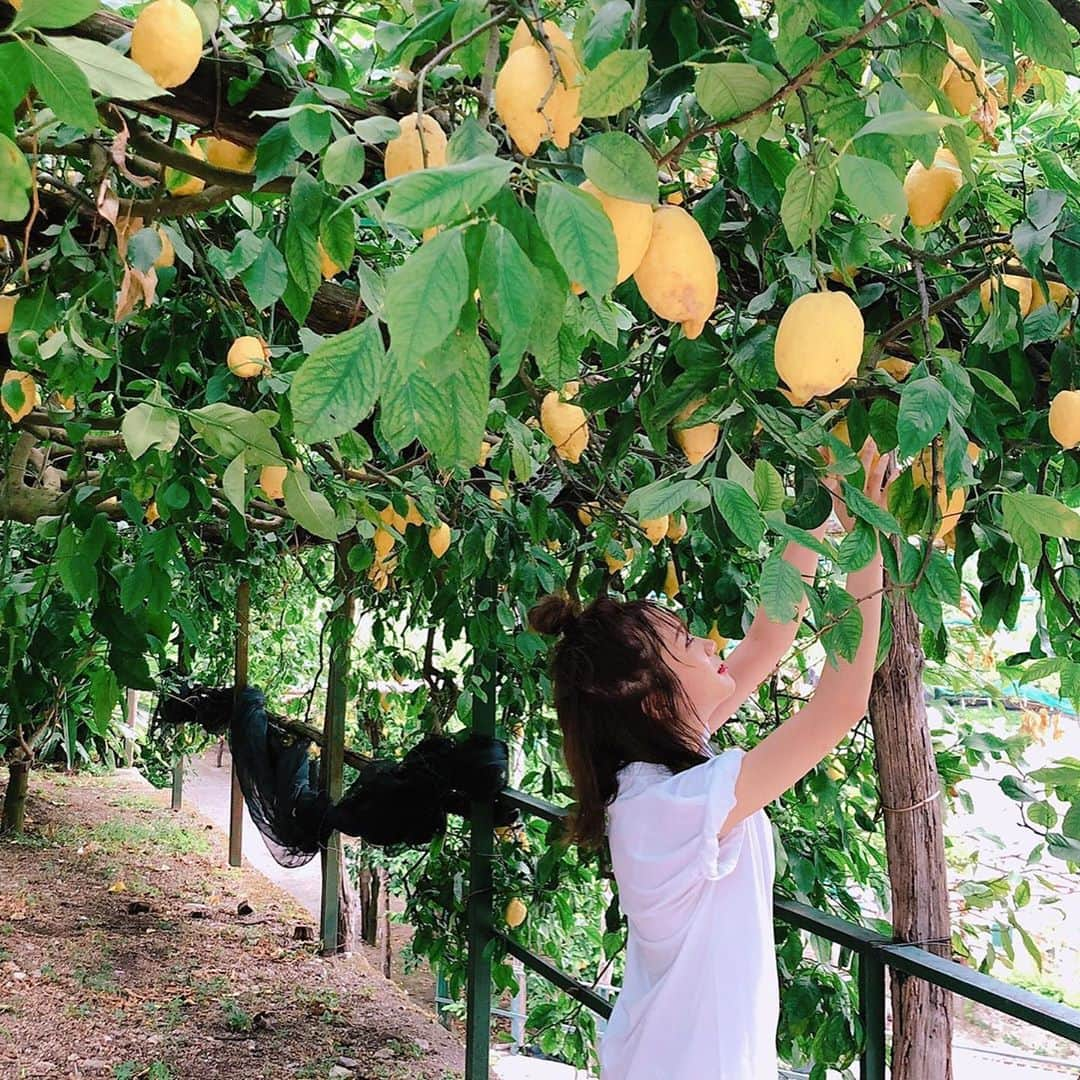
[122, 954]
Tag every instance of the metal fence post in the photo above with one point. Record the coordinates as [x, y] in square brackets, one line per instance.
[236, 796]
[872, 1015]
[178, 782]
[479, 908]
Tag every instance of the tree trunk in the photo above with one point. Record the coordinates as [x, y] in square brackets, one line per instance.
[914, 841]
[368, 888]
[15, 800]
[383, 907]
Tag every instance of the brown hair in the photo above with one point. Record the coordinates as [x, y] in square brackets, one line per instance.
[616, 699]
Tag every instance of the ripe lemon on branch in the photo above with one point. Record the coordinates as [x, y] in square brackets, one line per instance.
[928, 191]
[819, 343]
[7, 311]
[223, 154]
[564, 424]
[677, 275]
[950, 504]
[166, 41]
[272, 480]
[696, 442]
[632, 224]
[1022, 286]
[180, 183]
[249, 357]
[1065, 418]
[567, 95]
[963, 81]
[515, 913]
[439, 539]
[405, 153]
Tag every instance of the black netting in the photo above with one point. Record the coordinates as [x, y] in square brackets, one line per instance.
[389, 803]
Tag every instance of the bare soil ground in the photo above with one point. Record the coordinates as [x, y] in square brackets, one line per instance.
[123, 955]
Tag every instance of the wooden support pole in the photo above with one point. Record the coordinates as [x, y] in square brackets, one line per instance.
[478, 911]
[178, 760]
[236, 796]
[332, 758]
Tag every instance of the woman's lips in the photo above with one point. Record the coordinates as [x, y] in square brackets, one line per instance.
[722, 669]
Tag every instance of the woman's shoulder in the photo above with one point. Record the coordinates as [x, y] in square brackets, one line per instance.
[639, 777]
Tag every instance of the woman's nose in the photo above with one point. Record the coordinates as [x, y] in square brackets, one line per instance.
[710, 647]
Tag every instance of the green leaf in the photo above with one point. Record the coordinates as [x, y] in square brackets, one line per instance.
[580, 234]
[148, 425]
[874, 190]
[266, 277]
[842, 625]
[463, 387]
[470, 140]
[508, 287]
[376, 129]
[994, 384]
[15, 182]
[343, 162]
[1042, 813]
[310, 509]
[857, 548]
[924, 408]
[412, 402]
[863, 507]
[809, 194]
[338, 384]
[738, 510]
[781, 588]
[1070, 826]
[768, 486]
[469, 15]
[234, 482]
[660, 497]
[615, 83]
[425, 295]
[606, 32]
[1042, 34]
[104, 697]
[230, 430]
[62, 85]
[310, 127]
[1044, 514]
[275, 154]
[905, 122]
[444, 196]
[621, 167]
[53, 14]
[725, 91]
[78, 574]
[943, 578]
[107, 71]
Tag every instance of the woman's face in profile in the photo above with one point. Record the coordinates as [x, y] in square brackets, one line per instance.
[698, 666]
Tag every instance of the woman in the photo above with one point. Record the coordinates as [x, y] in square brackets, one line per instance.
[637, 699]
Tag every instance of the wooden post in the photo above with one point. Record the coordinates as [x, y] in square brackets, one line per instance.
[478, 911]
[915, 845]
[132, 714]
[332, 758]
[236, 796]
[178, 761]
[15, 800]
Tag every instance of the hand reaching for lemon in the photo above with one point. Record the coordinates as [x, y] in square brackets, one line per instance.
[878, 470]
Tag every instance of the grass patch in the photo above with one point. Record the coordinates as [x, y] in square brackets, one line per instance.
[162, 837]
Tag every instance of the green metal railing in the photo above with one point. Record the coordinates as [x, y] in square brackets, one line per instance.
[876, 954]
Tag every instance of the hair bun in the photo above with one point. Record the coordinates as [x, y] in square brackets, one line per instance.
[554, 614]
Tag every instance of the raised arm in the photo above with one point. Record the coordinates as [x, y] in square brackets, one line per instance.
[756, 657]
[840, 701]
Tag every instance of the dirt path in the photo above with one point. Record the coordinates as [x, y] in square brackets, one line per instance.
[123, 954]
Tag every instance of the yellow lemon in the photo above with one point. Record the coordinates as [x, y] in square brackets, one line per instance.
[615, 564]
[485, 451]
[676, 528]
[632, 224]
[963, 81]
[897, 368]
[327, 267]
[7, 312]
[523, 84]
[565, 425]
[515, 913]
[671, 581]
[152, 514]
[655, 528]
[1065, 418]
[166, 41]
[272, 480]
[1059, 293]
[439, 539]
[699, 441]
[498, 495]
[180, 183]
[928, 191]
[677, 275]
[167, 255]
[223, 154]
[566, 98]
[1022, 286]
[248, 357]
[819, 343]
[405, 154]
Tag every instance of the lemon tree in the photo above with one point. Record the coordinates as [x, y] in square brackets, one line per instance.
[558, 299]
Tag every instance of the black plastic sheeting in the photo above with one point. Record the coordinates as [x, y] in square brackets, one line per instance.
[390, 803]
